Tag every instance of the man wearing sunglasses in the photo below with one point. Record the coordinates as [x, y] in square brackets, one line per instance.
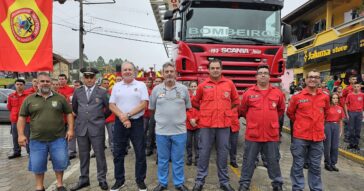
[307, 110]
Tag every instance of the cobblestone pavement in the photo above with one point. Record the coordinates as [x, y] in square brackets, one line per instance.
[15, 177]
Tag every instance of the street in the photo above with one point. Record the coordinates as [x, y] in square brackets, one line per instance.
[14, 175]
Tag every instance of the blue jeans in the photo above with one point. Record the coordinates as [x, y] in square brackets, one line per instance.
[313, 150]
[171, 146]
[121, 137]
[355, 121]
[38, 156]
[14, 133]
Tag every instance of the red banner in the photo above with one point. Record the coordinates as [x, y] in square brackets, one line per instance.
[26, 35]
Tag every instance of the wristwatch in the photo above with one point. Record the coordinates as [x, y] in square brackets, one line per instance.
[128, 115]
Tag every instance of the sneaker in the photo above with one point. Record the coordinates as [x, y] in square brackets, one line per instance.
[62, 188]
[242, 188]
[328, 167]
[277, 188]
[226, 187]
[350, 146]
[142, 186]
[14, 155]
[233, 164]
[182, 188]
[305, 166]
[197, 187]
[160, 187]
[117, 186]
[334, 168]
[189, 163]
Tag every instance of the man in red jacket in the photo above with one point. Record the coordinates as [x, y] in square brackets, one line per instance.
[14, 102]
[307, 110]
[67, 91]
[34, 87]
[215, 97]
[262, 101]
[348, 89]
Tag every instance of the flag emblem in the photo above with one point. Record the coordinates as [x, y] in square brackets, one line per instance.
[25, 25]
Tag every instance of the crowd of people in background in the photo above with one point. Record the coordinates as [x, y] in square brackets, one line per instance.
[163, 117]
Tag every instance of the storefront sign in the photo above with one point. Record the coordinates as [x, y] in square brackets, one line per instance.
[344, 46]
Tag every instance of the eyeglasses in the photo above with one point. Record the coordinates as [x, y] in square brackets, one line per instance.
[44, 81]
[313, 77]
[261, 73]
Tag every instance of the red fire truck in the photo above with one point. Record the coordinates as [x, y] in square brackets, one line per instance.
[243, 34]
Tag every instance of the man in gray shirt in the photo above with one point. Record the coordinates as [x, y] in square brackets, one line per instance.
[170, 100]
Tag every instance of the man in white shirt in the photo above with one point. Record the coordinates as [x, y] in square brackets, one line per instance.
[128, 101]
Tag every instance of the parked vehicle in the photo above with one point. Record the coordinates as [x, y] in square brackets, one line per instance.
[4, 112]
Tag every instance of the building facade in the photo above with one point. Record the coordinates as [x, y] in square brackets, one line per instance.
[328, 36]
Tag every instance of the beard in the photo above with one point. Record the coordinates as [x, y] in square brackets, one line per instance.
[45, 90]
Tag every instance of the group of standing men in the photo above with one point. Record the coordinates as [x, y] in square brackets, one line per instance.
[215, 99]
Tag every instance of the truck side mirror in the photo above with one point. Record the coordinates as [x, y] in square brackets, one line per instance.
[168, 31]
[168, 15]
[287, 34]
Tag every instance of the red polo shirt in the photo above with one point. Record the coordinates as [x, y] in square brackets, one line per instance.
[354, 102]
[335, 114]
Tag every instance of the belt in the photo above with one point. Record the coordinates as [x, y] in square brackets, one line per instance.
[331, 121]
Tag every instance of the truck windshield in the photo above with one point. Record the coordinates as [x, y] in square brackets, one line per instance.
[233, 23]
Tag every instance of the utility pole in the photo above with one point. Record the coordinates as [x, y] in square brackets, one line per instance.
[81, 45]
[82, 30]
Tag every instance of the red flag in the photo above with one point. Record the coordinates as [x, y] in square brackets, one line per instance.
[26, 35]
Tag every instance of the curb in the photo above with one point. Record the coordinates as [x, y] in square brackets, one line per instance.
[349, 155]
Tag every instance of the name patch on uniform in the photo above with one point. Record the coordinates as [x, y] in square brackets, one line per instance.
[54, 103]
[161, 95]
[208, 87]
[303, 101]
[253, 96]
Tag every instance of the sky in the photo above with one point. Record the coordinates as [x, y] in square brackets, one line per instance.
[131, 19]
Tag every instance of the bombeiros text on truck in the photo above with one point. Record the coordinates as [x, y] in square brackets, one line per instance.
[243, 34]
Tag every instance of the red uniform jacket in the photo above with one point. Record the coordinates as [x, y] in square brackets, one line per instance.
[262, 112]
[235, 123]
[335, 114]
[347, 90]
[307, 112]
[14, 103]
[192, 113]
[111, 118]
[66, 91]
[354, 102]
[30, 90]
[215, 100]
[146, 111]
